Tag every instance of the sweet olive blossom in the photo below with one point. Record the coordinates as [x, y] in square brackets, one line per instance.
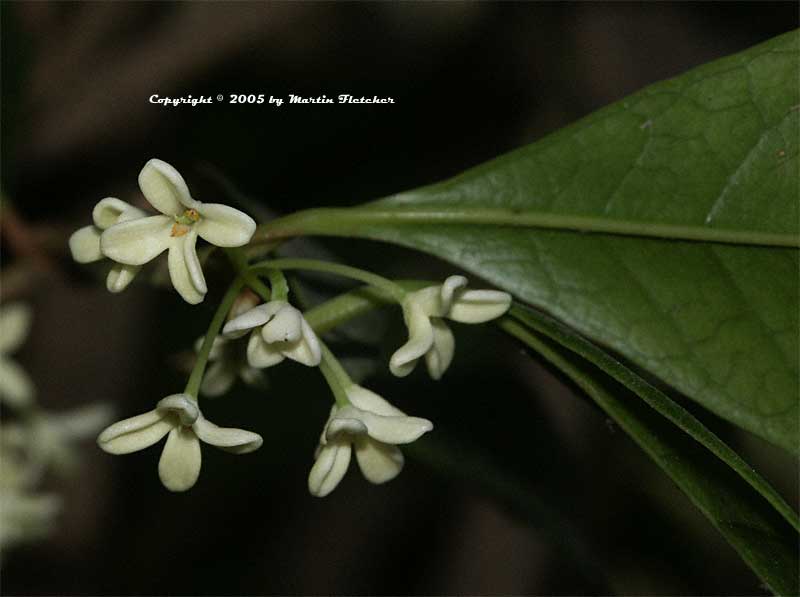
[278, 331]
[429, 336]
[183, 219]
[373, 428]
[16, 387]
[179, 416]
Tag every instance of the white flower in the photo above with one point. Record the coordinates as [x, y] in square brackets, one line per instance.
[138, 241]
[16, 387]
[179, 416]
[279, 331]
[84, 244]
[429, 336]
[372, 427]
[227, 362]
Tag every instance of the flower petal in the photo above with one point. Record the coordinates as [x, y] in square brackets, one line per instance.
[285, 325]
[225, 226]
[307, 350]
[218, 379]
[135, 433]
[448, 290]
[120, 276]
[230, 439]
[378, 462]
[329, 468]
[193, 263]
[248, 320]
[84, 244]
[365, 399]
[182, 405]
[346, 422]
[138, 241]
[16, 388]
[165, 189]
[477, 306]
[420, 339]
[180, 275]
[15, 323]
[389, 430]
[179, 465]
[260, 354]
[429, 300]
[110, 211]
[107, 212]
[440, 355]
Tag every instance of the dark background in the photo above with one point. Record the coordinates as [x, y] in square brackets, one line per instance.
[524, 487]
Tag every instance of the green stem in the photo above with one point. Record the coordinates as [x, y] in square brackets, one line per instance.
[196, 377]
[279, 285]
[335, 375]
[238, 258]
[397, 292]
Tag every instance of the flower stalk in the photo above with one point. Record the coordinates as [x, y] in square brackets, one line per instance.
[397, 292]
[335, 375]
[196, 377]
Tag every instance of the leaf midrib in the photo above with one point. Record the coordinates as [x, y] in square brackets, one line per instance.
[338, 221]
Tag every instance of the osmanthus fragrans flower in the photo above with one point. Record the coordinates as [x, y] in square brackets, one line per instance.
[279, 331]
[429, 336]
[373, 428]
[179, 417]
[16, 387]
[183, 219]
[84, 244]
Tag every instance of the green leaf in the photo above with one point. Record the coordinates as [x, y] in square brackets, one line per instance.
[765, 540]
[664, 226]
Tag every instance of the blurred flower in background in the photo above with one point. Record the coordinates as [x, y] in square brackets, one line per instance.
[33, 442]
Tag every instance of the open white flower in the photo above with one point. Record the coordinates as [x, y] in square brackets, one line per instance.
[429, 336]
[373, 428]
[227, 361]
[16, 387]
[179, 416]
[84, 244]
[184, 219]
[278, 331]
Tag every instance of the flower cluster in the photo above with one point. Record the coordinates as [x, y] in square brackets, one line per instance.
[130, 238]
[360, 421]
